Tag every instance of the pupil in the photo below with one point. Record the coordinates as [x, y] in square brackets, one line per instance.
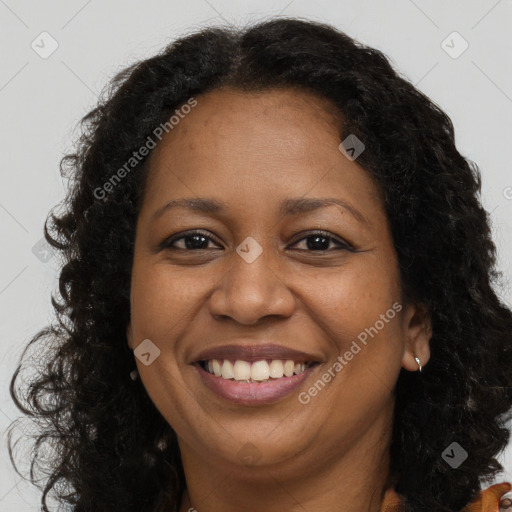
[190, 245]
[314, 245]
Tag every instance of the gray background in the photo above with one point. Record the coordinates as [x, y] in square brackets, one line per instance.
[41, 100]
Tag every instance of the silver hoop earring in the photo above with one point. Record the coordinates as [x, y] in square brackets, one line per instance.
[418, 361]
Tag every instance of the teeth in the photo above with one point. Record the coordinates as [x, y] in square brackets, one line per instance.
[259, 371]
[216, 368]
[276, 369]
[227, 370]
[289, 367]
[242, 370]
[299, 368]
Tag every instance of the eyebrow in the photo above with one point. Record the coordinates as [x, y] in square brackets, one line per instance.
[288, 207]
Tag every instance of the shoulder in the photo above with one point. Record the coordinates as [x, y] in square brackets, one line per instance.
[487, 500]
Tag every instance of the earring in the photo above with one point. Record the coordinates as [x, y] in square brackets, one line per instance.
[134, 374]
[418, 361]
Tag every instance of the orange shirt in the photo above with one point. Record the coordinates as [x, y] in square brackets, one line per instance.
[488, 500]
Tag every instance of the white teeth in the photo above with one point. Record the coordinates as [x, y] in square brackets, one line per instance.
[289, 366]
[276, 369]
[256, 371]
[299, 368]
[216, 368]
[242, 370]
[227, 370]
[259, 370]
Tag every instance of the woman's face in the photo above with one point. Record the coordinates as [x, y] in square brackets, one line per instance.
[259, 274]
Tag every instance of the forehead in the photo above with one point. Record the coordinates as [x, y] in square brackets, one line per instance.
[273, 142]
[288, 101]
[228, 117]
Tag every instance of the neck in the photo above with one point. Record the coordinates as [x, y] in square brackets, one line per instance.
[352, 477]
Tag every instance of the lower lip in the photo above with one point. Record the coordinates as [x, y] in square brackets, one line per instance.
[254, 393]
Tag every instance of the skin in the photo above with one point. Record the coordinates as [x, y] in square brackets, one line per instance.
[252, 151]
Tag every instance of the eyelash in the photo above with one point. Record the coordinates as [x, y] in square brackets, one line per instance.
[167, 243]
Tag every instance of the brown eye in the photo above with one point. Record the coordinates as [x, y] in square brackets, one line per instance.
[193, 240]
[321, 241]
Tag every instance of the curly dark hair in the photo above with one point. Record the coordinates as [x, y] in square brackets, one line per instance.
[112, 449]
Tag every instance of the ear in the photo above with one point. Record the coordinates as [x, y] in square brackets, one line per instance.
[417, 327]
[129, 335]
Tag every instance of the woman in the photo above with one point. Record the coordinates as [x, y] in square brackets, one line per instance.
[279, 233]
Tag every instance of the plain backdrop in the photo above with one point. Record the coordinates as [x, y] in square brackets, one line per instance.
[58, 55]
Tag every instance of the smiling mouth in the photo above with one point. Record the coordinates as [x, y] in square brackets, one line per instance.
[264, 370]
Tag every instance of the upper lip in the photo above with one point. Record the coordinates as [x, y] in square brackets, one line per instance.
[254, 353]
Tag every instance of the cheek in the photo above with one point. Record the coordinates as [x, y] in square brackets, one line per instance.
[353, 298]
[163, 297]
[358, 311]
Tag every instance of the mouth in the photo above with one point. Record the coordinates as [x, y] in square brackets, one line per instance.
[254, 383]
[255, 371]
[254, 374]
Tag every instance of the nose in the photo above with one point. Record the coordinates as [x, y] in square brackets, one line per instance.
[252, 290]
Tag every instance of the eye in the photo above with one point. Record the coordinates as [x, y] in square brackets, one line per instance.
[198, 240]
[194, 240]
[321, 241]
